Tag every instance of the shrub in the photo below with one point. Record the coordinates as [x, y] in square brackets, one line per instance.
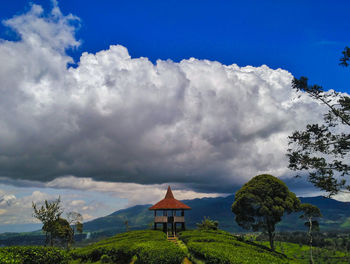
[106, 259]
[155, 252]
[221, 247]
[148, 246]
[9, 258]
[208, 224]
[34, 255]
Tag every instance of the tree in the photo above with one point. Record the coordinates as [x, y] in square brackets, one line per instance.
[62, 232]
[75, 221]
[309, 212]
[261, 203]
[55, 227]
[208, 224]
[48, 214]
[126, 223]
[323, 149]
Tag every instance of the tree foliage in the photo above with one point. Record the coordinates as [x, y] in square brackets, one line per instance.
[48, 214]
[323, 149]
[57, 229]
[261, 203]
[62, 232]
[208, 224]
[309, 213]
[75, 221]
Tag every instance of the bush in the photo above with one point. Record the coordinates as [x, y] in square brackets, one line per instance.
[9, 258]
[33, 255]
[208, 224]
[106, 259]
[221, 247]
[155, 252]
[148, 246]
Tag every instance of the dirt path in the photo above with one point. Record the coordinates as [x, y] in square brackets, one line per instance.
[186, 261]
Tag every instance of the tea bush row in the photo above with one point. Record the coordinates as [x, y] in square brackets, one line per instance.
[148, 246]
[33, 255]
[221, 247]
[302, 253]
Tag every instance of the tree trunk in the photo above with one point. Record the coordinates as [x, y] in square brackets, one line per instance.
[271, 238]
[46, 239]
[310, 241]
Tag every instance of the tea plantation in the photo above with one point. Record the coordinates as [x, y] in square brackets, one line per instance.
[33, 255]
[320, 255]
[148, 246]
[221, 247]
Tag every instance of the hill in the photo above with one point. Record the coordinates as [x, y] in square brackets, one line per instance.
[336, 216]
[152, 247]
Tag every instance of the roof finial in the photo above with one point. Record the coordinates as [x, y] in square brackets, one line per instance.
[169, 194]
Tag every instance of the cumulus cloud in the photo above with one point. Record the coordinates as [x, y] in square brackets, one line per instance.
[15, 210]
[18, 210]
[7, 200]
[113, 118]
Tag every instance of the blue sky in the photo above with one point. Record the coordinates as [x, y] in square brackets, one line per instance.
[109, 105]
[303, 37]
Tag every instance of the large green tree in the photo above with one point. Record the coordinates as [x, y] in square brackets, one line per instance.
[261, 203]
[323, 149]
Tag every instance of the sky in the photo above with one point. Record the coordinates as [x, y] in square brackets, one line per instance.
[107, 103]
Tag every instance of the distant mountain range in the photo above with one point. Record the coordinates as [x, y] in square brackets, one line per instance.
[336, 217]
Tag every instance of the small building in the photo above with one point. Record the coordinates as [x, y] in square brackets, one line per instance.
[168, 210]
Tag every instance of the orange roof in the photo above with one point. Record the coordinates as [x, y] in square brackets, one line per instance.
[169, 203]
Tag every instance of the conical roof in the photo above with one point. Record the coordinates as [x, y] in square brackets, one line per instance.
[169, 203]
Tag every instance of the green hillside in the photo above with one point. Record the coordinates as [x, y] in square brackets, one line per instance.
[221, 247]
[193, 246]
[336, 217]
[152, 247]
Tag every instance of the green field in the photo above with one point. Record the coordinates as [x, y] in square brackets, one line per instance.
[146, 246]
[302, 253]
[33, 255]
[151, 247]
[222, 247]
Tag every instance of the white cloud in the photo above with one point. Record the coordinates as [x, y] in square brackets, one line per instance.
[19, 210]
[77, 203]
[87, 217]
[2, 211]
[7, 200]
[196, 123]
[134, 193]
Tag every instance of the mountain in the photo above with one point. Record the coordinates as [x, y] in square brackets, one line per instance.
[336, 216]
